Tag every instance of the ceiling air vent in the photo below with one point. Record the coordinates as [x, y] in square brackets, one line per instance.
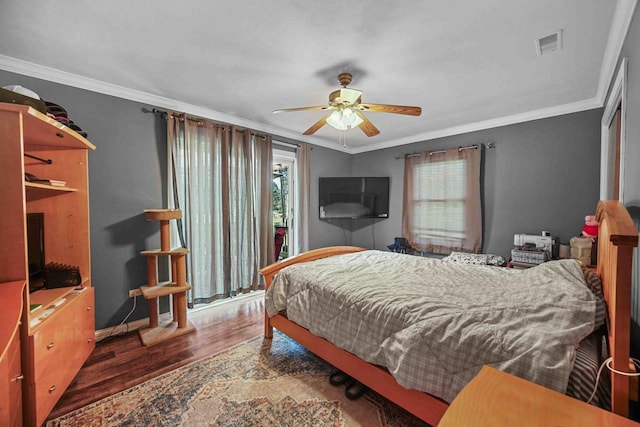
[550, 43]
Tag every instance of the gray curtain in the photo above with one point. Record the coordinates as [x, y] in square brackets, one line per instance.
[222, 183]
[303, 190]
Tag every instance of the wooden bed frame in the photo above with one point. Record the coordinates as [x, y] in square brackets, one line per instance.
[616, 240]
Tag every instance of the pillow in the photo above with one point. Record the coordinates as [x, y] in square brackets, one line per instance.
[475, 259]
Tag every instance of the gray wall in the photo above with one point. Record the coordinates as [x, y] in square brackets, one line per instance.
[541, 175]
[326, 162]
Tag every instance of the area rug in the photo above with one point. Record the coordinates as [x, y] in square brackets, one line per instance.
[257, 383]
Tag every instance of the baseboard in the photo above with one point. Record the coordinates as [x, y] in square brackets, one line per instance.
[102, 334]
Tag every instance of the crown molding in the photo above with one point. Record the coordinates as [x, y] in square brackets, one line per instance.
[544, 113]
[51, 74]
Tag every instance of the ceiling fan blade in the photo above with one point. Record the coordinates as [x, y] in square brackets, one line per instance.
[317, 125]
[288, 110]
[396, 109]
[366, 126]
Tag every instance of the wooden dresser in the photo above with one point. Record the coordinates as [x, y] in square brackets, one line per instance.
[57, 331]
[497, 399]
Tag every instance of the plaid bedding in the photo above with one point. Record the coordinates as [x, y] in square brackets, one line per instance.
[433, 324]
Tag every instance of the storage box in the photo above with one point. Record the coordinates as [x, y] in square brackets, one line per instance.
[61, 276]
[529, 256]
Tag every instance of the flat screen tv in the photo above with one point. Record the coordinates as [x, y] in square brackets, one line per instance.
[35, 245]
[354, 197]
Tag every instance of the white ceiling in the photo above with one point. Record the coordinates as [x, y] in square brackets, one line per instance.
[469, 64]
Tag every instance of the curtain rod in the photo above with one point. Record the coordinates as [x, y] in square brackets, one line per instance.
[431, 153]
[201, 121]
[290, 144]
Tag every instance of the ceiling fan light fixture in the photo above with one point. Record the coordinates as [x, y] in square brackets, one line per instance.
[345, 109]
[344, 119]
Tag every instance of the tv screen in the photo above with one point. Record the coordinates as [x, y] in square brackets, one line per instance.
[354, 197]
[35, 245]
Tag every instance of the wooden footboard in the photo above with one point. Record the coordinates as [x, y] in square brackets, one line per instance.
[422, 405]
[617, 238]
[270, 271]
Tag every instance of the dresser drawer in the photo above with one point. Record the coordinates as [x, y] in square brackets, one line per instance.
[11, 384]
[15, 381]
[59, 348]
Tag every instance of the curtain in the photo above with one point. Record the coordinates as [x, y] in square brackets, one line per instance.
[222, 183]
[441, 203]
[303, 190]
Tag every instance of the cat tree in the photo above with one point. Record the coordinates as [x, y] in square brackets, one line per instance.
[177, 287]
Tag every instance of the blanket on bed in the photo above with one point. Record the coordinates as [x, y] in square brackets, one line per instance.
[433, 324]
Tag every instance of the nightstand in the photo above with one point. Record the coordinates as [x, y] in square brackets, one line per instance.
[494, 398]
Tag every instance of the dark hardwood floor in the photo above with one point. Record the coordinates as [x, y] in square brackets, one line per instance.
[121, 362]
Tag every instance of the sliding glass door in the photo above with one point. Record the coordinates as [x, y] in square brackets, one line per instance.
[283, 202]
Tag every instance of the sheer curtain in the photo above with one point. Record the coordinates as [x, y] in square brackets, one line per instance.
[303, 190]
[222, 183]
[441, 205]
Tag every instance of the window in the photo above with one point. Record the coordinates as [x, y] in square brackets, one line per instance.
[442, 210]
[283, 202]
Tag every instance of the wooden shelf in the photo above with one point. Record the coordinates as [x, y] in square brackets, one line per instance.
[163, 289]
[165, 330]
[47, 297]
[158, 252]
[162, 214]
[36, 187]
[42, 130]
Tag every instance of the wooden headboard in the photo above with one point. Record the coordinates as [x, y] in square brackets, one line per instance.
[617, 236]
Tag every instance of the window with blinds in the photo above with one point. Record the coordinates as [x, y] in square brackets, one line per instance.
[441, 206]
[439, 201]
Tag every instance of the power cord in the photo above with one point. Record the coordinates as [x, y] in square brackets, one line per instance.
[373, 236]
[607, 363]
[135, 299]
[344, 232]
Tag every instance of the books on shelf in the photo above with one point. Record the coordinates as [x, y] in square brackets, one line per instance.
[34, 307]
[52, 182]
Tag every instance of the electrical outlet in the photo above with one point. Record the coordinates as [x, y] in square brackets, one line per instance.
[134, 293]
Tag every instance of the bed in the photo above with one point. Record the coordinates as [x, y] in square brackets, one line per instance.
[615, 247]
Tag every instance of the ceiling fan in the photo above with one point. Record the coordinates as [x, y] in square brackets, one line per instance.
[345, 110]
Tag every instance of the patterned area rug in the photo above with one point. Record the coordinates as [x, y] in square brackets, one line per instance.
[257, 383]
